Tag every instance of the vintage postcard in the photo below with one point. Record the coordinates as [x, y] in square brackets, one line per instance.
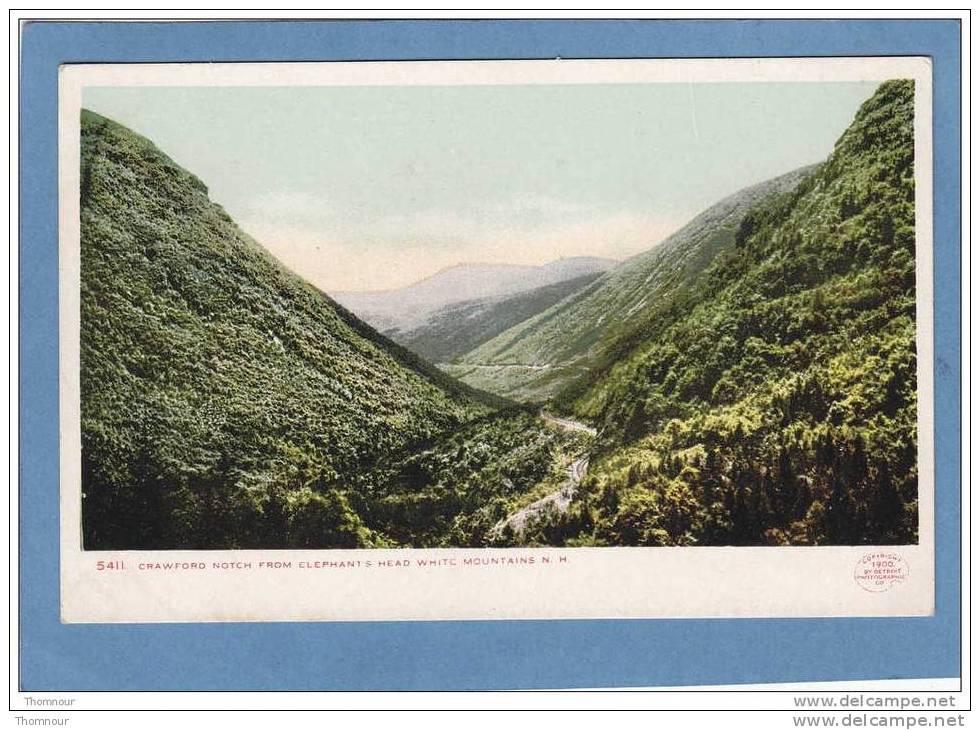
[496, 340]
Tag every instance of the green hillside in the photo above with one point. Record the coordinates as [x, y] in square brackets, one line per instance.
[458, 328]
[774, 400]
[224, 401]
[536, 358]
[453, 491]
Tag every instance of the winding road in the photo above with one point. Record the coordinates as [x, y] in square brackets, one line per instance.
[558, 501]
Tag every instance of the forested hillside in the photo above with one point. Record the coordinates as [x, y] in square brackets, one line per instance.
[225, 402]
[454, 491]
[774, 401]
[536, 358]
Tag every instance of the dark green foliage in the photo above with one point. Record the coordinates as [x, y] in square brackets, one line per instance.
[779, 390]
[223, 399]
[455, 490]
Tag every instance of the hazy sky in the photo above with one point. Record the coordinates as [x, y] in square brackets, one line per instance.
[377, 187]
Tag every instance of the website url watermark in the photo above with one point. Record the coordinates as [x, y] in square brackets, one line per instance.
[871, 720]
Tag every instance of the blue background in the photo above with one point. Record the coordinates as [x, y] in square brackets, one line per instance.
[479, 654]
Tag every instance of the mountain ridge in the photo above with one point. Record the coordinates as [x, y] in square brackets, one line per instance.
[538, 357]
[409, 307]
[210, 373]
[488, 265]
[773, 401]
[457, 328]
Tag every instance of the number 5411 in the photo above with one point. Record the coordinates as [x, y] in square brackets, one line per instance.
[109, 565]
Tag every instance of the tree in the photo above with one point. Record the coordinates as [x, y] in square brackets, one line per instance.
[887, 510]
[324, 520]
[785, 482]
[840, 514]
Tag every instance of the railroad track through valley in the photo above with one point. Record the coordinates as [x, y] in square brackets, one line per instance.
[558, 501]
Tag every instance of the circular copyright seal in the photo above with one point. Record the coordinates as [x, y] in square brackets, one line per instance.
[880, 571]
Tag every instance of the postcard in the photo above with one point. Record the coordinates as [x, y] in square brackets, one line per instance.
[496, 340]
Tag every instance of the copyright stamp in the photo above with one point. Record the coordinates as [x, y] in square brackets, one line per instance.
[878, 572]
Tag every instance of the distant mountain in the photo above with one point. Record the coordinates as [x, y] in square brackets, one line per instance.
[458, 328]
[536, 358]
[411, 307]
[224, 401]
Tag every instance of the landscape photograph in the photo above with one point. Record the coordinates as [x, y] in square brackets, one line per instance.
[494, 316]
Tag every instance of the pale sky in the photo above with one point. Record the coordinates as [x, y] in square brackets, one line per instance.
[377, 187]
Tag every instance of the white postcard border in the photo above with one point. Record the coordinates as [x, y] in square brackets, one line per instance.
[512, 583]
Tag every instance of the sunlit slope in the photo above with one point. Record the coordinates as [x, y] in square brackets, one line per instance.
[455, 329]
[536, 358]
